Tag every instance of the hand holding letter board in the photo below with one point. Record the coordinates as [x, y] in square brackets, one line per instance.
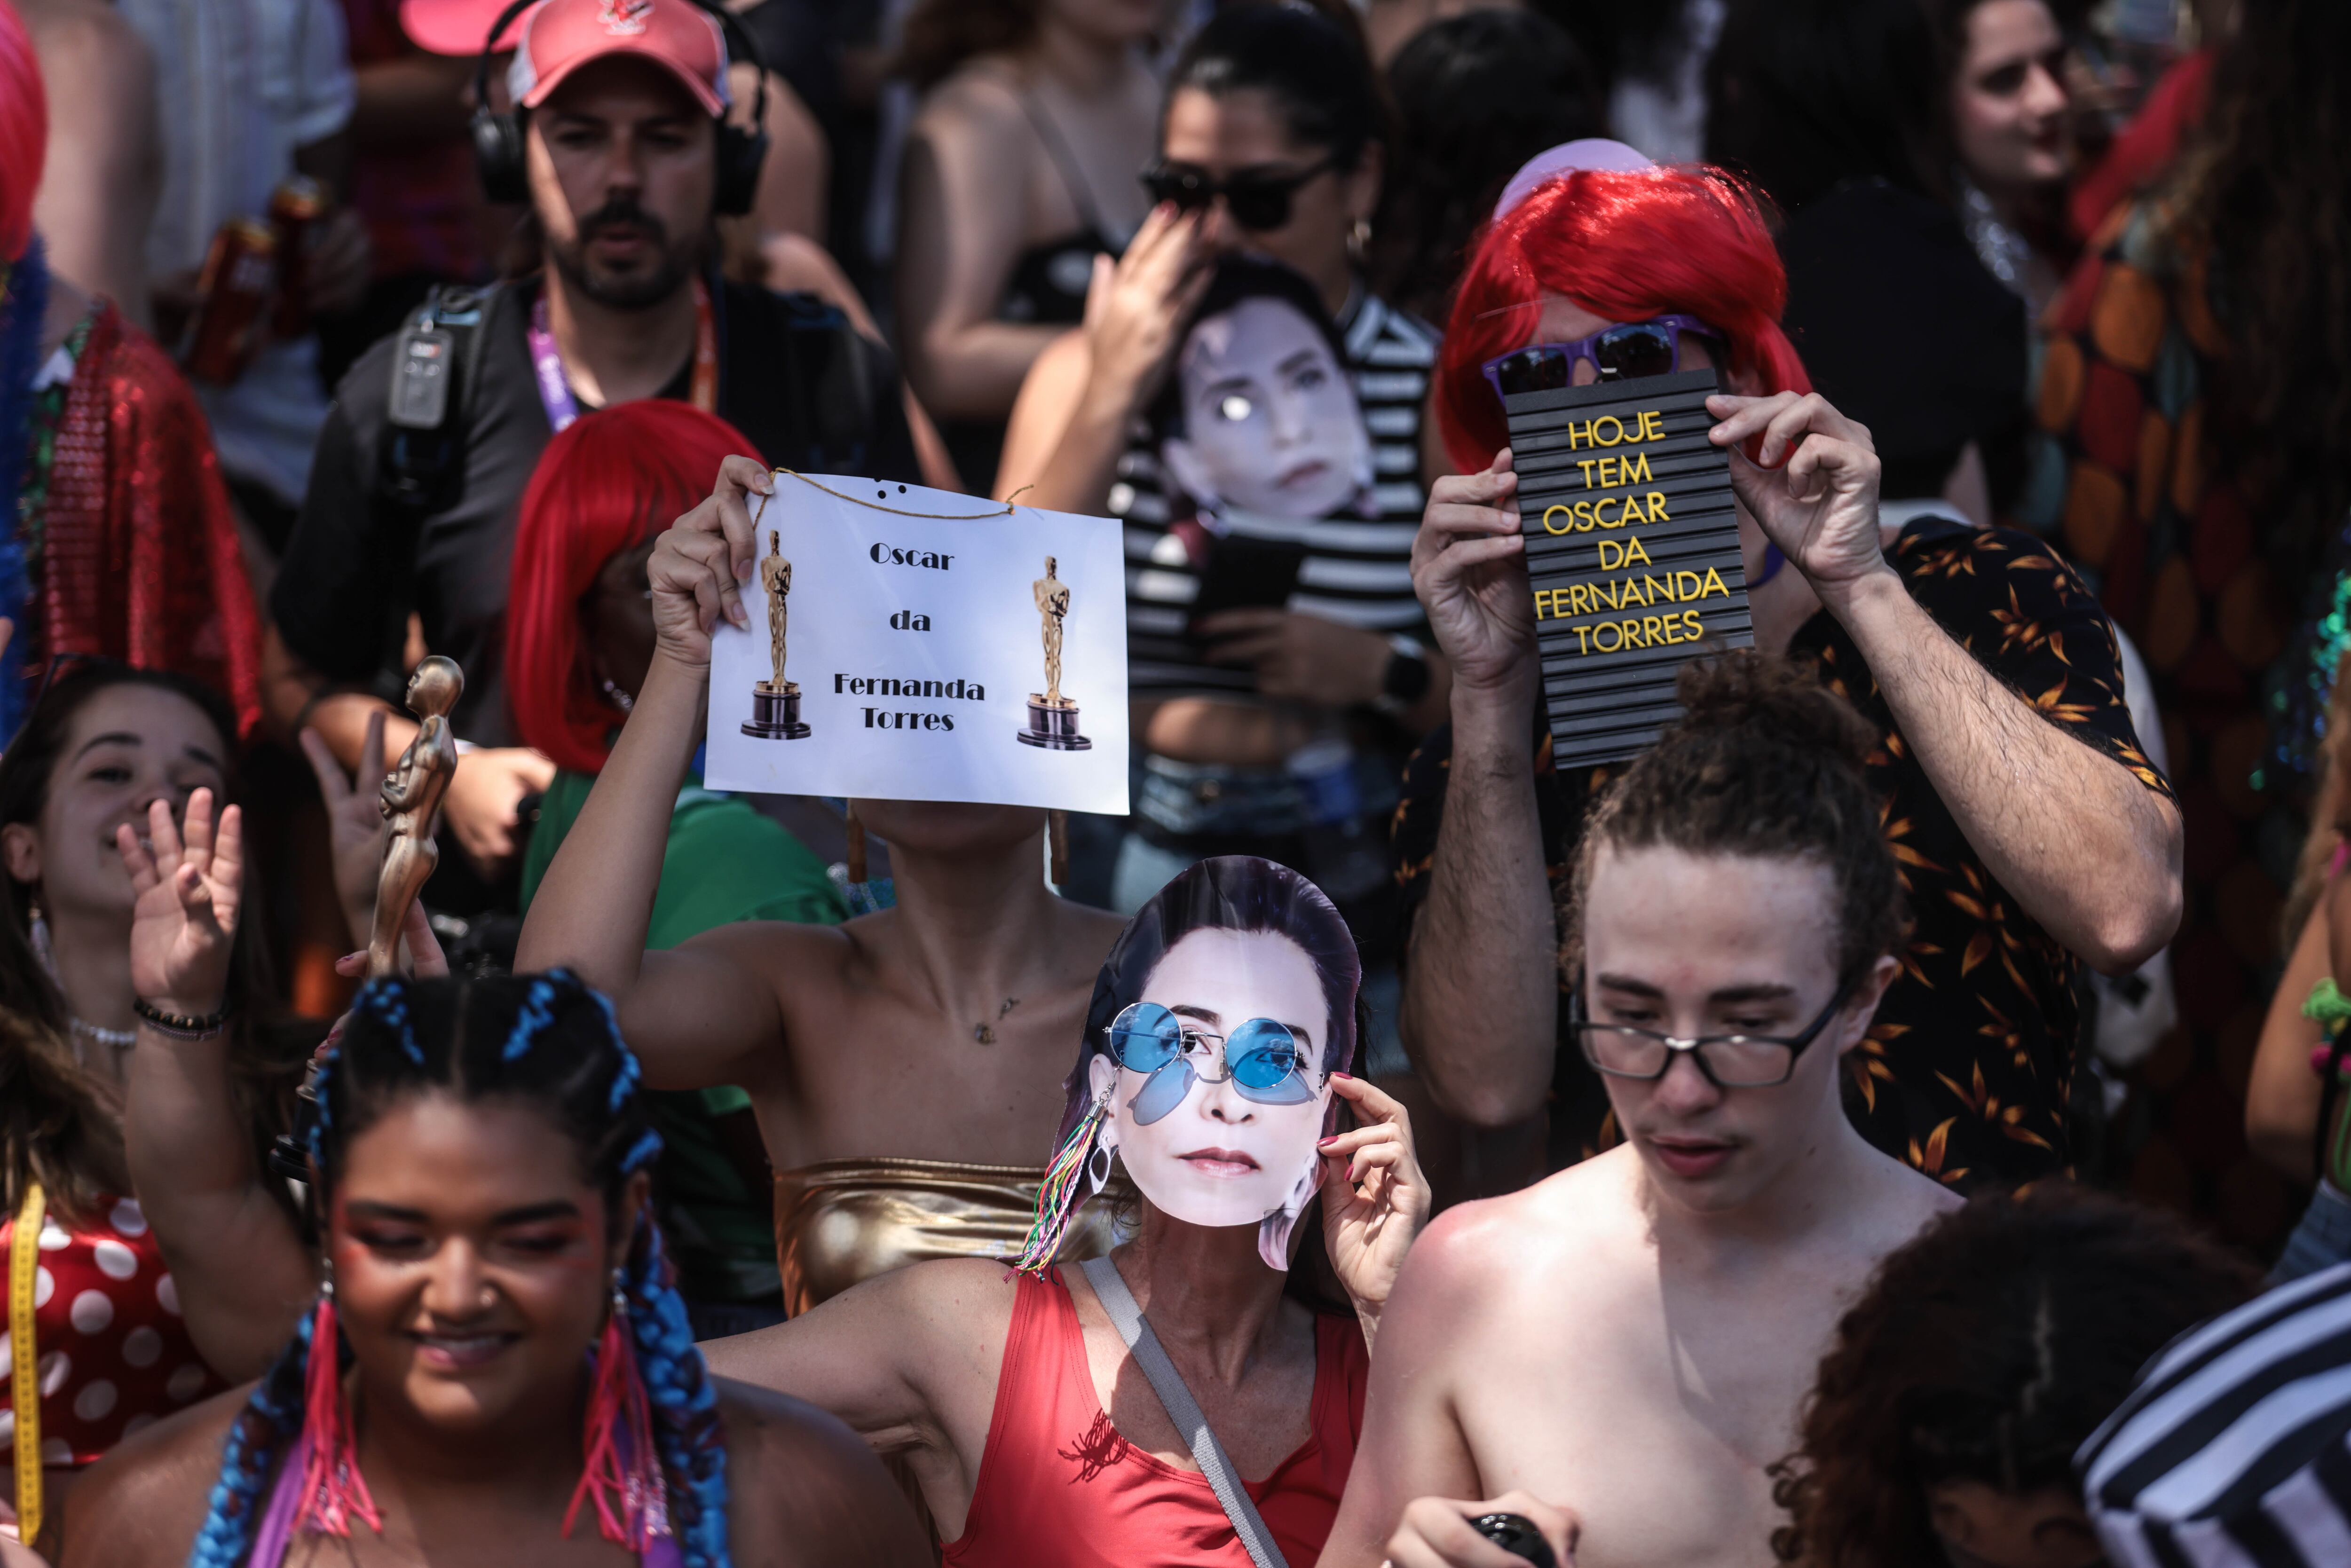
[1632, 550]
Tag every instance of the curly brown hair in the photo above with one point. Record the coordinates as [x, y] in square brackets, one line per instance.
[1764, 762]
[1988, 1349]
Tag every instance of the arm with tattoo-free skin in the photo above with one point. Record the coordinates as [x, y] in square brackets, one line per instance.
[1481, 989]
[2085, 849]
[1413, 1459]
[705, 1012]
[2283, 1094]
[242, 1274]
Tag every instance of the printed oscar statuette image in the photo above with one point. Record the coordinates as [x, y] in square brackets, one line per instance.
[1053, 718]
[776, 702]
[411, 796]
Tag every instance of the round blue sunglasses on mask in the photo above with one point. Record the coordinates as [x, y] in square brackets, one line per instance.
[1262, 1059]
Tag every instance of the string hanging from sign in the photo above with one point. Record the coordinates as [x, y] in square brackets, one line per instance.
[1006, 510]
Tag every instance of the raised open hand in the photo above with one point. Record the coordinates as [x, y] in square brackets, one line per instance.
[188, 884]
[1374, 1197]
[1811, 486]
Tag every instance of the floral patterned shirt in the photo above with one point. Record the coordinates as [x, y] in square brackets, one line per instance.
[1967, 1066]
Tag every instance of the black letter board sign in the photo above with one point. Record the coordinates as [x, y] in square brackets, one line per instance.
[1633, 547]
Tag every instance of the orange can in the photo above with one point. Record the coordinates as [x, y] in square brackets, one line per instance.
[294, 206]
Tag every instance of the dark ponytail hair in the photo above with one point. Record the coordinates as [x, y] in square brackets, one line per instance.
[1475, 96]
[1311, 67]
[1764, 762]
[551, 1042]
[1803, 96]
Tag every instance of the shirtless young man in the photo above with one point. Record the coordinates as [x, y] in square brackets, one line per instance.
[935, 1031]
[1619, 1352]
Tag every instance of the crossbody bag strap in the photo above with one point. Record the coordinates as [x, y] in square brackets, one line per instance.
[24, 1371]
[1184, 1410]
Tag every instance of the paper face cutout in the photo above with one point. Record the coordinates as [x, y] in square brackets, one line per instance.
[1270, 421]
[1225, 1147]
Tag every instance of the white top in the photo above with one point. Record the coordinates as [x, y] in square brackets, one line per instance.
[239, 85]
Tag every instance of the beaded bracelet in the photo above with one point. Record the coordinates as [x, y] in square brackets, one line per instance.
[180, 1026]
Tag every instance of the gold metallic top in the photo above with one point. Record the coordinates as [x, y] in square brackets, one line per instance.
[841, 1221]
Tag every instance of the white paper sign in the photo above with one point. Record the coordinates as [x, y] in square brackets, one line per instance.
[916, 653]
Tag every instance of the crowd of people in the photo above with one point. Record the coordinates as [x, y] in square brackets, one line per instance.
[1894, 1118]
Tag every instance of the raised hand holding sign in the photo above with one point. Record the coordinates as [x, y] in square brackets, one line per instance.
[1632, 545]
[913, 610]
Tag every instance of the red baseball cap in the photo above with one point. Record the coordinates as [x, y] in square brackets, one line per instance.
[555, 37]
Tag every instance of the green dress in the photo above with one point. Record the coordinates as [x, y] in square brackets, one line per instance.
[724, 862]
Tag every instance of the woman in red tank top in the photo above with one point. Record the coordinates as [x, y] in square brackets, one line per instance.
[1214, 1050]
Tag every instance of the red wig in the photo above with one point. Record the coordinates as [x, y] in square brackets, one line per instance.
[24, 132]
[612, 481]
[1625, 245]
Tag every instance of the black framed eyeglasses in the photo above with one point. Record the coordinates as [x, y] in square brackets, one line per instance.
[1258, 197]
[1729, 1060]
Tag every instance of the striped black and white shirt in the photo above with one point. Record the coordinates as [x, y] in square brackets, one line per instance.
[2235, 1446]
[1357, 571]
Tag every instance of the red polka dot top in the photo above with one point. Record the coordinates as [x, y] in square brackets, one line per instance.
[114, 1354]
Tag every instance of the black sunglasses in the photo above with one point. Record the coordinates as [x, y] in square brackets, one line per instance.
[1258, 198]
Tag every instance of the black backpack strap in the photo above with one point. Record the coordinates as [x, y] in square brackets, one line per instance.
[436, 364]
[830, 394]
[436, 369]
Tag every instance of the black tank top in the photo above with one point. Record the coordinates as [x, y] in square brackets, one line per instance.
[1047, 288]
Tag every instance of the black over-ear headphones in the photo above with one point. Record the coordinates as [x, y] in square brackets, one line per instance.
[499, 138]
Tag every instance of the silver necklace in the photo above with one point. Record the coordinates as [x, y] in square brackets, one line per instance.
[617, 697]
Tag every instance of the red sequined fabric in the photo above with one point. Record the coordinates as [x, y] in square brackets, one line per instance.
[139, 559]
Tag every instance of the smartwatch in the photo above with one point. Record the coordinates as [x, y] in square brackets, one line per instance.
[1406, 679]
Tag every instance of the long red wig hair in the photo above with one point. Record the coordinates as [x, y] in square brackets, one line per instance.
[1626, 246]
[610, 482]
[24, 132]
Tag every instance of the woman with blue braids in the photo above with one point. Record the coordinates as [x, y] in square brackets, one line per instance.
[498, 1368]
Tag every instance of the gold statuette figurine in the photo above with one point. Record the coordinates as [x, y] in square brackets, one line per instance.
[411, 799]
[776, 702]
[1053, 718]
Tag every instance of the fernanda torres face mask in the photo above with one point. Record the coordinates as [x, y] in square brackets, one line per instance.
[1219, 1019]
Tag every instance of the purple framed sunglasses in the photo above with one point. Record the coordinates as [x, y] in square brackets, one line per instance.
[1627, 350]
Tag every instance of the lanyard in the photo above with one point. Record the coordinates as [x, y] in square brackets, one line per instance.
[23, 1380]
[555, 389]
